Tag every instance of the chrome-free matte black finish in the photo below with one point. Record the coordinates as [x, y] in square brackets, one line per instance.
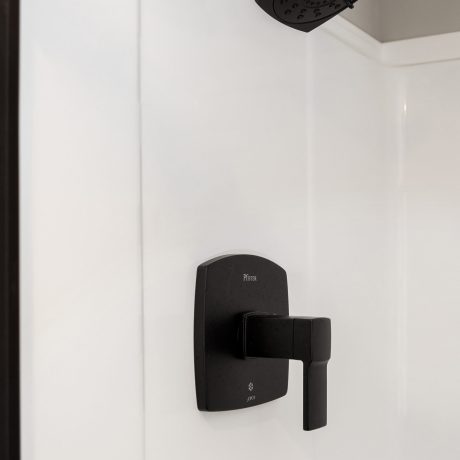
[304, 15]
[244, 339]
[9, 231]
[226, 288]
[304, 339]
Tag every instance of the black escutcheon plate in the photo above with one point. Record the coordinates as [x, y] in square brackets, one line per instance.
[227, 287]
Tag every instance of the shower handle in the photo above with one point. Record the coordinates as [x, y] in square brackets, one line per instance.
[299, 338]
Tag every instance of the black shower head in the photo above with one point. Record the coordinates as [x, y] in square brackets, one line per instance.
[304, 15]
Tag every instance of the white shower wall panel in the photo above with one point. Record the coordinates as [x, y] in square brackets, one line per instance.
[431, 210]
[81, 340]
[259, 139]
[243, 137]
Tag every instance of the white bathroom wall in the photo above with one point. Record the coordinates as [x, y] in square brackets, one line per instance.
[351, 240]
[259, 139]
[224, 171]
[306, 149]
[80, 239]
[430, 205]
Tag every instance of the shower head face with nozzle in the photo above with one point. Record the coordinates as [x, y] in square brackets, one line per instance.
[304, 15]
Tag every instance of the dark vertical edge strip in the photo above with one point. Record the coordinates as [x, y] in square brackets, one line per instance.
[199, 337]
[9, 231]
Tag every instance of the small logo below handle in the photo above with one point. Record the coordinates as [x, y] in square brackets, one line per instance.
[249, 278]
[251, 397]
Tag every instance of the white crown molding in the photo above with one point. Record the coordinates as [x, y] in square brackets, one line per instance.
[423, 50]
[354, 37]
[415, 51]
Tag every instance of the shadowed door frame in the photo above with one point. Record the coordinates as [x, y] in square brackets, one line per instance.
[9, 231]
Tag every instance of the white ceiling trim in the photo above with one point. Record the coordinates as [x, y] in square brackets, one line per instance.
[414, 51]
[423, 50]
[353, 36]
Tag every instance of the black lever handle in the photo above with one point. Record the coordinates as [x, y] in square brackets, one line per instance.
[301, 338]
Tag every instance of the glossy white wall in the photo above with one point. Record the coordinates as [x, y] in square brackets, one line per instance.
[306, 149]
[351, 257]
[259, 139]
[224, 171]
[80, 238]
[430, 207]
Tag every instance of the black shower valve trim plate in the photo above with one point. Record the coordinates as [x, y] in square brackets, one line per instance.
[244, 339]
